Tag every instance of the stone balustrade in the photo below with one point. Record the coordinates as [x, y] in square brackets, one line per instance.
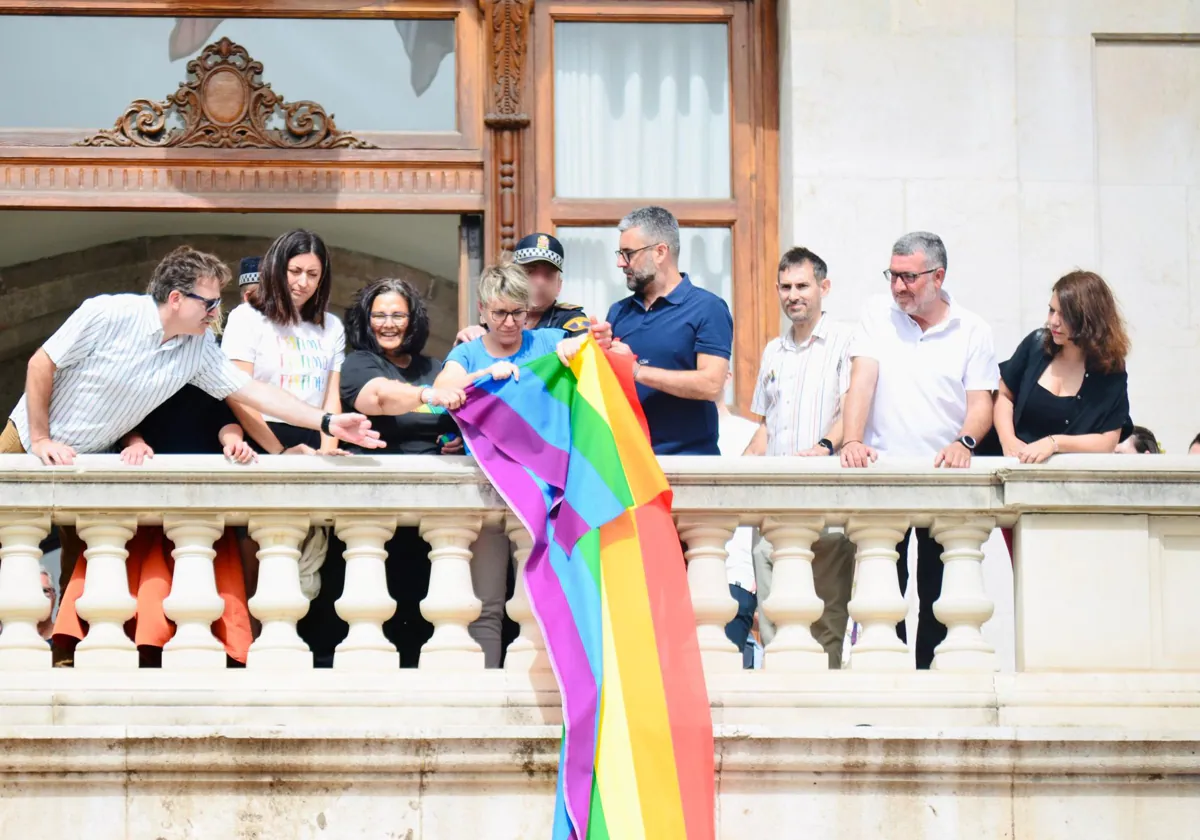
[1107, 649]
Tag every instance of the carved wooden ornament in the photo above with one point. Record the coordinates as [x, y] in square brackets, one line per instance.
[225, 104]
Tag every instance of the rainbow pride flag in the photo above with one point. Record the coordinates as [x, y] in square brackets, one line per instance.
[569, 451]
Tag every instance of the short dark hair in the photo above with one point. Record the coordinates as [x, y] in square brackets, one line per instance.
[179, 270]
[799, 256]
[359, 334]
[1144, 441]
[272, 297]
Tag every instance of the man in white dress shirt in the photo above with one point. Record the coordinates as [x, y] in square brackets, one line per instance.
[802, 379]
[921, 384]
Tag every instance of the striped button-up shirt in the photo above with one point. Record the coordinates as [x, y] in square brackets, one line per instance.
[113, 368]
[800, 386]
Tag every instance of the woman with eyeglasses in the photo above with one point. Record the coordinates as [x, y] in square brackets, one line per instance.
[388, 376]
[284, 336]
[504, 298]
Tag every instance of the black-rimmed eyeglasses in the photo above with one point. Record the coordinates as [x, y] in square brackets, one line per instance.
[909, 277]
[627, 254]
[210, 304]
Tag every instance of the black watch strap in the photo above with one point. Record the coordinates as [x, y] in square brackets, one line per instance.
[827, 443]
[325, 424]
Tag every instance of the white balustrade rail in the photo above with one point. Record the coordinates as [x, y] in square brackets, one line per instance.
[1107, 547]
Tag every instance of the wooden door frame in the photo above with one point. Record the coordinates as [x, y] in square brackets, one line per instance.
[751, 213]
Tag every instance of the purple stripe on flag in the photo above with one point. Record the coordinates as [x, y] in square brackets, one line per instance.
[548, 601]
[580, 694]
[569, 526]
[493, 417]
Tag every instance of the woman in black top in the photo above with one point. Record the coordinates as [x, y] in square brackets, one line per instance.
[1065, 388]
[388, 377]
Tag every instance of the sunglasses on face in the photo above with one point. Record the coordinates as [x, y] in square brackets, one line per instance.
[210, 304]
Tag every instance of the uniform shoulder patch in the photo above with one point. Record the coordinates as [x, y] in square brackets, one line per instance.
[572, 306]
[577, 324]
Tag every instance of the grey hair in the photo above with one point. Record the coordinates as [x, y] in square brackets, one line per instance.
[657, 223]
[929, 244]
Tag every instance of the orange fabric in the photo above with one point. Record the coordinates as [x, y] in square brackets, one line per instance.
[149, 569]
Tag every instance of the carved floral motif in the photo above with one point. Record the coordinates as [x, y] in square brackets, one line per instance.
[224, 104]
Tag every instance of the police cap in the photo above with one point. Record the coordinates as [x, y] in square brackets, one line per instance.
[539, 247]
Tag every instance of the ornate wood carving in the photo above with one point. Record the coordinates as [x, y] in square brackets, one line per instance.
[508, 21]
[248, 185]
[224, 104]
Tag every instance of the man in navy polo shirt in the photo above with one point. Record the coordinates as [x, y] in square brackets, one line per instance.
[682, 336]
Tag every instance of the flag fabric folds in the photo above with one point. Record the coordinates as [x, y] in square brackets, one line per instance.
[568, 450]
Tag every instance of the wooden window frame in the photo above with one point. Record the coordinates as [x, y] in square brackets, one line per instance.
[751, 213]
[468, 56]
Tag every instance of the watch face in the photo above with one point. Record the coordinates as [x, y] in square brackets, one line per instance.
[968, 441]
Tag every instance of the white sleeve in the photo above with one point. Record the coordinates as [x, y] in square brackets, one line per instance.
[78, 335]
[863, 342]
[339, 344]
[983, 372]
[759, 403]
[242, 331]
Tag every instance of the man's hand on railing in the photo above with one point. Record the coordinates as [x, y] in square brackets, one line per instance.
[53, 453]
[240, 452]
[855, 453]
[356, 429]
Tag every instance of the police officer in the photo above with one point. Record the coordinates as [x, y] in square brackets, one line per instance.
[541, 255]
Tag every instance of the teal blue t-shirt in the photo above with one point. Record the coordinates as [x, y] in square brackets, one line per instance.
[473, 356]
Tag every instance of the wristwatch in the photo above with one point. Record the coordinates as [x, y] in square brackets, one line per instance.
[827, 443]
[325, 424]
[967, 441]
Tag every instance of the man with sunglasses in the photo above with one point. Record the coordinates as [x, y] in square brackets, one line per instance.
[680, 334]
[922, 374]
[120, 356]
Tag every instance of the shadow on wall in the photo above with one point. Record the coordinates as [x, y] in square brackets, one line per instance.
[37, 296]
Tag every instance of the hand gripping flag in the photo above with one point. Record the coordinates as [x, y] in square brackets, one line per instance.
[568, 450]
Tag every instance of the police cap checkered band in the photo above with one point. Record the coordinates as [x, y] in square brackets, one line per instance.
[248, 271]
[539, 247]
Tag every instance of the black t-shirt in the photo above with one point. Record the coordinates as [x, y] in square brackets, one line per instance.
[414, 433]
[186, 424]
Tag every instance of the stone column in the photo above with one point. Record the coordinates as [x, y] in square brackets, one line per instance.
[878, 604]
[714, 607]
[528, 650]
[193, 603]
[278, 603]
[22, 602]
[964, 604]
[106, 603]
[451, 603]
[793, 604]
[365, 603]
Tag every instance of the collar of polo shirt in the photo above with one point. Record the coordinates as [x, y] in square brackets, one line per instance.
[952, 314]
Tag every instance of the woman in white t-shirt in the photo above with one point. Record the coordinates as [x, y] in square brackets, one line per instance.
[284, 336]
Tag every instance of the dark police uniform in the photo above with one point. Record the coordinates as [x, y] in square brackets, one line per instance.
[542, 247]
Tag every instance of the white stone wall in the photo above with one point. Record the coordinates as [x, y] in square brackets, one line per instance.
[1034, 136]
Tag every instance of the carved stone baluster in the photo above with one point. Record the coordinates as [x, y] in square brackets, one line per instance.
[714, 607]
[528, 650]
[793, 604]
[279, 603]
[878, 604]
[964, 604]
[106, 603]
[22, 602]
[193, 603]
[451, 603]
[365, 603]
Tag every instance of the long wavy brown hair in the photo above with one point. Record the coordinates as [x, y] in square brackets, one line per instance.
[1090, 311]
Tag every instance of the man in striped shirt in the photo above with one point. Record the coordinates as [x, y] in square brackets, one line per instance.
[120, 356]
[802, 379]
